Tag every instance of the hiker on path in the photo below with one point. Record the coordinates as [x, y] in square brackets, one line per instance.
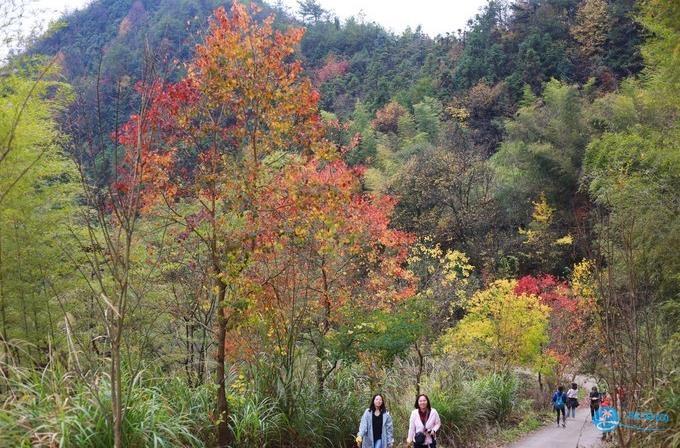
[572, 400]
[376, 429]
[594, 402]
[423, 424]
[559, 400]
[605, 402]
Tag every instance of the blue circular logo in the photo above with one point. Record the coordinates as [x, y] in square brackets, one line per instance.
[606, 419]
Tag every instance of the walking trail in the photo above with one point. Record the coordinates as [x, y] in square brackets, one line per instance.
[579, 433]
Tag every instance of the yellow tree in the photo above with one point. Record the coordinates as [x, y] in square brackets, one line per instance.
[546, 248]
[507, 328]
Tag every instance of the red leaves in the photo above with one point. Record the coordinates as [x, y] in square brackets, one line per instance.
[318, 220]
[552, 292]
[569, 318]
[333, 68]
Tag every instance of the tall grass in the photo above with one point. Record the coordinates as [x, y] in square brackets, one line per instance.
[665, 398]
[52, 407]
[297, 415]
[489, 399]
[256, 422]
[468, 402]
[495, 393]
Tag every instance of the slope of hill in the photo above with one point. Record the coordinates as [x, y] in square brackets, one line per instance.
[524, 43]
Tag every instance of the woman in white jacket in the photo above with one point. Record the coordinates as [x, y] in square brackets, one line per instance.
[376, 429]
[423, 424]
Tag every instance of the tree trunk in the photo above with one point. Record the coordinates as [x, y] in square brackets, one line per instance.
[3, 313]
[116, 398]
[325, 327]
[223, 433]
[319, 370]
[419, 373]
[189, 356]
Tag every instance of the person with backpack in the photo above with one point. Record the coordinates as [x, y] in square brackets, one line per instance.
[376, 428]
[594, 402]
[423, 424]
[559, 400]
[572, 400]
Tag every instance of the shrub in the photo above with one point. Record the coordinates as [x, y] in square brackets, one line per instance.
[496, 395]
[473, 403]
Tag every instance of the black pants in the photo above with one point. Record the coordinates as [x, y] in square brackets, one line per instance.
[431, 445]
[593, 410]
[557, 411]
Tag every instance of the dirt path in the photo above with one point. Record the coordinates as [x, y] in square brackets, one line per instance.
[579, 433]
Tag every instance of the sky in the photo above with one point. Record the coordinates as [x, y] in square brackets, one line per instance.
[435, 16]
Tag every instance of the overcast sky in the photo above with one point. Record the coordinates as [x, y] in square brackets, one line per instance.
[435, 16]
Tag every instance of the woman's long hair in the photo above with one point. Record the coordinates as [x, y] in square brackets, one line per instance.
[383, 408]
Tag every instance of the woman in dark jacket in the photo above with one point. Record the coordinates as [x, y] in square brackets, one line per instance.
[594, 402]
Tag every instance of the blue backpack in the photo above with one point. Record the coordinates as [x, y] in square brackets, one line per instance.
[559, 400]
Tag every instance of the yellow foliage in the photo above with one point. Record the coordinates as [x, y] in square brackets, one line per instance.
[531, 236]
[506, 328]
[566, 240]
[582, 281]
[459, 114]
[456, 266]
[451, 268]
[543, 212]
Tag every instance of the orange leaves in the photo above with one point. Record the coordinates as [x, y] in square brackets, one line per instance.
[243, 67]
[236, 150]
[242, 99]
[318, 226]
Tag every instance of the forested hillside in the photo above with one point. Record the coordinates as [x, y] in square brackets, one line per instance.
[508, 45]
[232, 224]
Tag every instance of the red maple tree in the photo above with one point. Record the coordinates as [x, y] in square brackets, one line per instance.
[570, 317]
